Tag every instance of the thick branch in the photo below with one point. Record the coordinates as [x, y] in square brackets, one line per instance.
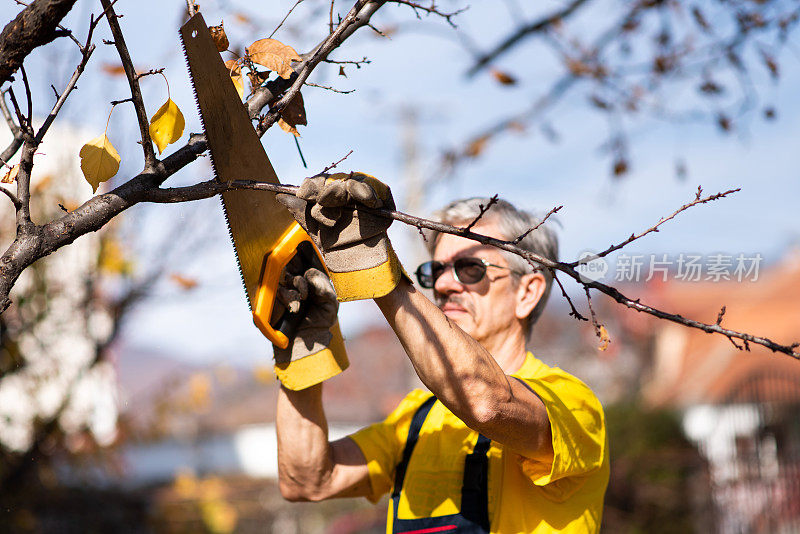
[36, 25]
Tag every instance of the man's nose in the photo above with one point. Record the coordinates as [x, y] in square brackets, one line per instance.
[447, 283]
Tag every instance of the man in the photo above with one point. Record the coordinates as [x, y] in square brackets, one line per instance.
[506, 444]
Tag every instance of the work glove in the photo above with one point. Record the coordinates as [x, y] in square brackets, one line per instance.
[354, 244]
[308, 359]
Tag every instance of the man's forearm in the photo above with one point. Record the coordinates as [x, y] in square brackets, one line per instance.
[310, 468]
[448, 361]
[465, 377]
[304, 458]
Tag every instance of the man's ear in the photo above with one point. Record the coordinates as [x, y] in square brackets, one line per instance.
[530, 290]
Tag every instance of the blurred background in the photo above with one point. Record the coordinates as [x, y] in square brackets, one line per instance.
[137, 396]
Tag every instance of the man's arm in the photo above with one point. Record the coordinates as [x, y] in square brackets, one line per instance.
[465, 377]
[310, 468]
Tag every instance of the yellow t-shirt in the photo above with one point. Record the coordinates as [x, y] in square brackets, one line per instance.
[524, 495]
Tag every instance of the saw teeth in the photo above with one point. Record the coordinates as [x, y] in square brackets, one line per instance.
[216, 176]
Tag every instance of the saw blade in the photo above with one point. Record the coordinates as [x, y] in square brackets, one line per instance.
[256, 220]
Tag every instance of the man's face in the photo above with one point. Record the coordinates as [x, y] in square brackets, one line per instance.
[485, 309]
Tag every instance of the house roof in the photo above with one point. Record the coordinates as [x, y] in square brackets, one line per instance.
[691, 366]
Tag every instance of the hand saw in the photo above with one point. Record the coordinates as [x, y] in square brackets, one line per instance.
[264, 234]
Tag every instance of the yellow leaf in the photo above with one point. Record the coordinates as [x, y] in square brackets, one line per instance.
[99, 161]
[220, 39]
[199, 391]
[604, 338]
[235, 71]
[112, 259]
[293, 114]
[274, 55]
[166, 126]
[185, 484]
[11, 175]
[218, 516]
[263, 373]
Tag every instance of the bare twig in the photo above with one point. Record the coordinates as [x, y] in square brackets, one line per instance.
[329, 88]
[17, 203]
[118, 102]
[533, 229]
[150, 160]
[483, 209]
[191, 7]
[284, 18]
[654, 228]
[16, 131]
[335, 163]
[149, 73]
[356, 62]
[86, 52]
[430, 9]
[26, 83]
[573, 310]
[720, 315]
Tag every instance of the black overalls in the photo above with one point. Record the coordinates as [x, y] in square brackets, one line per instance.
[474, 514]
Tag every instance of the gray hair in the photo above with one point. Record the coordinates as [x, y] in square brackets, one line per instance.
[513, 223]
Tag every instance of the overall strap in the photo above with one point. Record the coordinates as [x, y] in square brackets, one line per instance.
[413, 434]
[475, 490]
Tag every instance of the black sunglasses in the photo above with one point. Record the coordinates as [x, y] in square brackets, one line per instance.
[465, 271]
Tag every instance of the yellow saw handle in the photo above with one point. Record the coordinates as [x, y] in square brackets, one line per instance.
[274, 263]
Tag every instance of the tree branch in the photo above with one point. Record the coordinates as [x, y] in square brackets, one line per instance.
[34, 26]
[654, 228]
[150, 160]
[522, 32]
[358, 16]
[16, 131]
[212, 187]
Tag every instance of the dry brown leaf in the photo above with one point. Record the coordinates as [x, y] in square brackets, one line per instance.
[341, 71]
[476, 147]
[184, 282]
[516, 126]
[113, 69]
[274, 55]
[42, 183]
[220, 39]
[241, 18]
[256, 78]
[10, 175]
[503, 77]
[293, 115]
[235, 71]
[605, 340]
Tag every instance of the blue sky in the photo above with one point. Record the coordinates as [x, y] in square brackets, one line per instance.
[424, 67]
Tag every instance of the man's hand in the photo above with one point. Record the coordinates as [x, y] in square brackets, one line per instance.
[307, 360]
[354, 243]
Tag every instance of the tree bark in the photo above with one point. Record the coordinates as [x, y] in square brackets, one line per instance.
[36, 25]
